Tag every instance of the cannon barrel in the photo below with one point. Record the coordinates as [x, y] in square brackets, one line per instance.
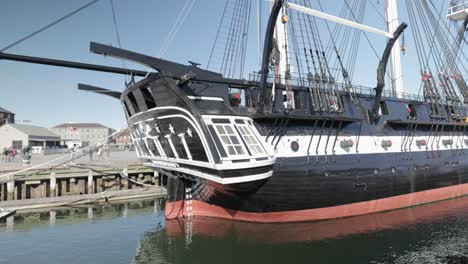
[71, 64]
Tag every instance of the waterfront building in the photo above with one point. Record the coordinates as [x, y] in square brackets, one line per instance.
[86, 133]
[6, 117]
[19, 136]
[123, 138]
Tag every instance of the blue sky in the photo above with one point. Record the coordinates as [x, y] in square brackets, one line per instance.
[48, 95]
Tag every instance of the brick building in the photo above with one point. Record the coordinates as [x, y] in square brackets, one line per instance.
[88, 133]
[123, 138]
[6, 117]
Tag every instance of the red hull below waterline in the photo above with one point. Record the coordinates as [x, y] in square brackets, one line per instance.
[195, 208]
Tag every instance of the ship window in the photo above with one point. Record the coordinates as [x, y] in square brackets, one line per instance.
[250, 140]
[230, 140]
[148, 96]
[133, 101]
[220, 121]
[383, 108]
[217, 142]
[412, 111]
[297, 100]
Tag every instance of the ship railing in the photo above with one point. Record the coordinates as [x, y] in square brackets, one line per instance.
[358, 89]
[456, 11]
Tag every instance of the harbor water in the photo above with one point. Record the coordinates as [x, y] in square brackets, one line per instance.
[137, 232]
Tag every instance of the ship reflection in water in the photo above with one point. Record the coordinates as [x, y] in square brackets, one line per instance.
[433, 233]
[136, 232]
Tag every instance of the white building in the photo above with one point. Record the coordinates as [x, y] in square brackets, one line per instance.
[19, 136]
[85, 133]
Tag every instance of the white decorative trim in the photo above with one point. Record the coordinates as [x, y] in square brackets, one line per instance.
[205, 98]
[367, 145]
[159, 147]
[192, 122]
[215, 178]
[171, 144]
[184, 143]
[165, 163]
[225, 166]
[199, 132]
[245, 165]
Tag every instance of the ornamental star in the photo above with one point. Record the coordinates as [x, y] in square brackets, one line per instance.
[189, 132]
[171, 128]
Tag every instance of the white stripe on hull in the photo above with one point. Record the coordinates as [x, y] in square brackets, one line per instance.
[367, 145]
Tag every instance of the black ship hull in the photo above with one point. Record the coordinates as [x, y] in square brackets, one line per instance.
[348, 186]
[280, 148]
[227, 162]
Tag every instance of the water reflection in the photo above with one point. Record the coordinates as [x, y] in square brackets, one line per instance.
[435, 233]
[308, 231]
[136, 232]
[33, 219]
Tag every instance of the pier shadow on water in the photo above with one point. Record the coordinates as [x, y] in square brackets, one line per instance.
[136, 232]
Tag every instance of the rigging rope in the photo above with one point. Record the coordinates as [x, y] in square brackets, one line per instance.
[48, 25]
[378, 11]
[217, 34]
[430, 36]
[124, 65]
[184, 12]
[229, 49]
[449, 33]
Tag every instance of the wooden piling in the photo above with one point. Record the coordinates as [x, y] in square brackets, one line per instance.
[125, 181]
[63, 182]
[52, 217]
[90, 182]
[11, 190]
[53, 184]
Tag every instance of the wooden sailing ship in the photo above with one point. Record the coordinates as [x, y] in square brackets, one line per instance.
[291, 146]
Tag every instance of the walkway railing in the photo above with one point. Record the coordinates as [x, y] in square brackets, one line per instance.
[358, 89]
[458, 11]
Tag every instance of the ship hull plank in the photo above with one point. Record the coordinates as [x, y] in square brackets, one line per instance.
[197, 208]
[303, 190]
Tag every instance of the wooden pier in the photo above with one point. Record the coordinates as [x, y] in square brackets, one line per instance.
[78, 185]
[6, 213]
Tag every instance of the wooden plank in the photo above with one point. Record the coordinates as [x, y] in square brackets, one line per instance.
[6, 213]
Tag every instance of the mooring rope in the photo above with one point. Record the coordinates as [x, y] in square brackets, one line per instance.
[83, 152]
[116, 169]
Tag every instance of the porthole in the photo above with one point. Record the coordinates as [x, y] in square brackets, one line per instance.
[294, 146]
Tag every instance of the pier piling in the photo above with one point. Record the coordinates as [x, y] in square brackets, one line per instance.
[90, 182]
[66, 185]
[125, 181]
[53, 184]
[11, 190]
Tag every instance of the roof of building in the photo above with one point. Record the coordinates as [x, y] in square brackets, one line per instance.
[34, 130]
[3, 110]
[81, 125]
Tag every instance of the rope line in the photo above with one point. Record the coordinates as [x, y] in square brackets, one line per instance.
[184, 12]
[48, 25]
[83, 152]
